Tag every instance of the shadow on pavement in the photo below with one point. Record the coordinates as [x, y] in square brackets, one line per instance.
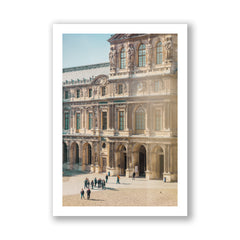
[70, 173]
[96, 200]
[113, 189]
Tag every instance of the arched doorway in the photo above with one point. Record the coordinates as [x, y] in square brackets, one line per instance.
[64, 152]
[142, 161]
[74, 154]
[158, 163]
[123, 160]
[87, 154]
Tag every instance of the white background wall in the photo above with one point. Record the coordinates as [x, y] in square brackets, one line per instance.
[26, 108]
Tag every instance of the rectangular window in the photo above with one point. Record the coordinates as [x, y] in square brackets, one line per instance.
[121, 120]
[120, 89]
[90, 121]
[156, 86]
[104, 120]
[66, 121]
[157, 121]
[78, 93]
[140, 121]
[66, 95]
[103, 91]
[78, 121]
[90, 92]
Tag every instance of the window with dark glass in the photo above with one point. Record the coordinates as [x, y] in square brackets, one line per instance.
[66, 95]
[66, 121]
[78, 93]
[103, 91]
[90, 92]
[78, 121]
[104, 120]
[90, 121]
[121, 120]
[123, 58]
[142, 56]
[120, 89]
[157, 121]
[159, 50]
[140, 119]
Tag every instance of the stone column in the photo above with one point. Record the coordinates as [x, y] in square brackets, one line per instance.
[108, 118]
[80, 155]
[126, 118]
[148, 171]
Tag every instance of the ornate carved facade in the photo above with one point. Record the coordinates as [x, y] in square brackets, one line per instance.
[121, 116]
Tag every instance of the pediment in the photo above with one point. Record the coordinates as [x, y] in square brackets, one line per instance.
[118, 37]
[100, 80]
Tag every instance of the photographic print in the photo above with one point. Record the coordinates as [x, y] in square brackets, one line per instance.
[119, 120]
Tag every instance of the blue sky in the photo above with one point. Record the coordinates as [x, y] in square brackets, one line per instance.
[84, 49]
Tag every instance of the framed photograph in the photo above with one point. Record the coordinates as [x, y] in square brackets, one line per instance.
[120, 120]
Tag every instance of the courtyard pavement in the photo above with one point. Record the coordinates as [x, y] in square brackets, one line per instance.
[138, 192]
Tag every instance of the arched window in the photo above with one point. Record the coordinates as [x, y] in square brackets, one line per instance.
[142, 56]
[140, 119]
[159, 53]
[123, 58]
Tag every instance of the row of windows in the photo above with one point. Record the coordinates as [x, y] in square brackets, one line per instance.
[103, 90]
[142, 55]
[139, 120]
[157, 87]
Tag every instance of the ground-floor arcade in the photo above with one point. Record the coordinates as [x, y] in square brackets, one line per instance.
[149, 158]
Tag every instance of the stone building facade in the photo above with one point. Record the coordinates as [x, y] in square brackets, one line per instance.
[121, 116]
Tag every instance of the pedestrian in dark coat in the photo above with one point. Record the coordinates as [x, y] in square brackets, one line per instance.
[82, 193]
[92, 184]
[106, 178]
[88, 193]
[133, 175]
[95, 181]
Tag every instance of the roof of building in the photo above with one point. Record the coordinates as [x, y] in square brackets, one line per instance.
[85, 73]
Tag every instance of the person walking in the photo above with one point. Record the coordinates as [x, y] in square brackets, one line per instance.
[118, 179]
[82, 194]
[133, 178]
[95, 181]
[103, 184]
[88, 193]
[92, 184]
[106, 178]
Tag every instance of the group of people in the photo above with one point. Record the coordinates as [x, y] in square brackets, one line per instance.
[97, 183]
[94, 183]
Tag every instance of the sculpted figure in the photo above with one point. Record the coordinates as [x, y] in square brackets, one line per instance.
[149, 53]
[112, 57]
[168, 46]
[130, 55]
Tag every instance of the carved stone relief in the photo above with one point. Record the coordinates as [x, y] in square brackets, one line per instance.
[130, 56]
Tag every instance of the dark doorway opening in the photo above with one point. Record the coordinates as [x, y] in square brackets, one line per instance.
[161, 166]
[89, 154]
[142, 161]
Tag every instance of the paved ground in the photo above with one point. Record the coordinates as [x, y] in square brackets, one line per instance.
[138, 192]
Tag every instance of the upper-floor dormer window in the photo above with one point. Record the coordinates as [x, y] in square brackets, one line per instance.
[66, 95]
[120, 89]
[159, 53]
[142, 56]
[123, 58]
[90, 92]
[103, 91]
[78, 93]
